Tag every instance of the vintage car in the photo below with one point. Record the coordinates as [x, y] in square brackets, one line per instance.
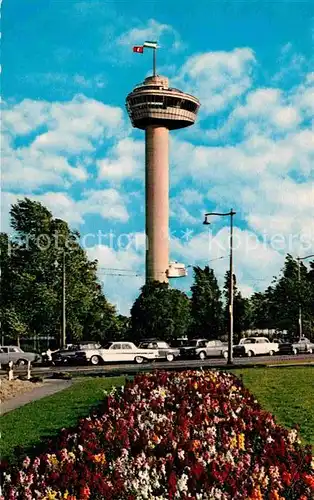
[188, 350]
[301, 345]
[203, 349]
[212, 349]
[116, 352]
[255, 346]
[67, 355]
[164, 349]
[16, 355]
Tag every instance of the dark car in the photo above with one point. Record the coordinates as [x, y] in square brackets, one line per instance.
[164, 349]
[67, 355]
[188, 351]
[297, 346]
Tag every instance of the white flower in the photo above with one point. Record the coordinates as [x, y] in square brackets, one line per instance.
[292, 436]
[182, 483]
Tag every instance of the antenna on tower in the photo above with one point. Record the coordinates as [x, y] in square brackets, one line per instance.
[154, 46]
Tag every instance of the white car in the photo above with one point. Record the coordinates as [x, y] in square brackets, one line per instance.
[254, 346]
[116, 352]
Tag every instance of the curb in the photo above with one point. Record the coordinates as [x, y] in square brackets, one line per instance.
[133, 371]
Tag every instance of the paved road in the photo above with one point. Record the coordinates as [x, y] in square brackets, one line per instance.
[179, 364]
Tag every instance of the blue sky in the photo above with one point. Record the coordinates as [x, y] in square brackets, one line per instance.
[67, 141]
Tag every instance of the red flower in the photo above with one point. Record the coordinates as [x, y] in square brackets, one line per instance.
[84, 493]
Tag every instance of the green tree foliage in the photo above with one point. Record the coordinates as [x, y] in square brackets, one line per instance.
[278, 306]
[289, 290]
[31, 265]
[160, 312]
[206, 304]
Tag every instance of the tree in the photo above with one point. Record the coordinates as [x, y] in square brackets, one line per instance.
[262, 310]
[160, 312]
[206, 304]
[278, 306]
[288, 293]
[32, 278]
[242, 311]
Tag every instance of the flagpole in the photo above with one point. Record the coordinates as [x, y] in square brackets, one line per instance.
[154, 61]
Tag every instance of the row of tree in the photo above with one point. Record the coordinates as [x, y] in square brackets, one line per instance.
[31, 298]
[31, 280]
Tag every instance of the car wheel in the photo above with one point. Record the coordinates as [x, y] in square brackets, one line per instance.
[21, 362]
[225, 354]
[271, 353]
[94, 360]
[294, 351]
[170, 357]
[250, 354]
[139, 360]
[202, 355]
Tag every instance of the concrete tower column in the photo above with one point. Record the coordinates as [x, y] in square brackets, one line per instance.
[157, 203]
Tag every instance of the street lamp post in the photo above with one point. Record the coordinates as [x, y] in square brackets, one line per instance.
[230, 332]
[63, 317]
[63, 302]
[300, 328]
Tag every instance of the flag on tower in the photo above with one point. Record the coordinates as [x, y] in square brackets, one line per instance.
[151, 45]
[139, 49]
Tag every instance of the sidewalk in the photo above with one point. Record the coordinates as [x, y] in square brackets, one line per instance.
[50, 387]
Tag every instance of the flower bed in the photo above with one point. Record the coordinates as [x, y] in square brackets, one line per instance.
[192, 435]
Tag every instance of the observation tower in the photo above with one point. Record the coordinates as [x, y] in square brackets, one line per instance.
[156, 107]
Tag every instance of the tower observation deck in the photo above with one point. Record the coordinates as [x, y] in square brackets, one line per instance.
[155, 107]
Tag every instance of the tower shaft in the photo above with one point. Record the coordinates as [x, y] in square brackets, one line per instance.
[155, 107]
[157, 203]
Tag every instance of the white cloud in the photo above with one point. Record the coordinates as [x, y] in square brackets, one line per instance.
[263, 167]
[125, 159]
[65, 82]
[218, 78]
[290, 64]
[255, 261]
[192, 199]
[108, 203]
[152, 30]
[64, 135]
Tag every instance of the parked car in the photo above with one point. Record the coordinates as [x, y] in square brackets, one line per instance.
[297, 346]
[213, 349]
[188, 350]
[115, 352]
[68, 354]
[164, 349]
[17, 355]
[254, 346]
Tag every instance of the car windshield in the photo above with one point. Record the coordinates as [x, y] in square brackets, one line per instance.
[179, 343]
[195, 343]
[107, 345]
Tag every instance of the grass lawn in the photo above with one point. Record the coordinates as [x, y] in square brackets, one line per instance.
[288, 393]
[27, 426]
